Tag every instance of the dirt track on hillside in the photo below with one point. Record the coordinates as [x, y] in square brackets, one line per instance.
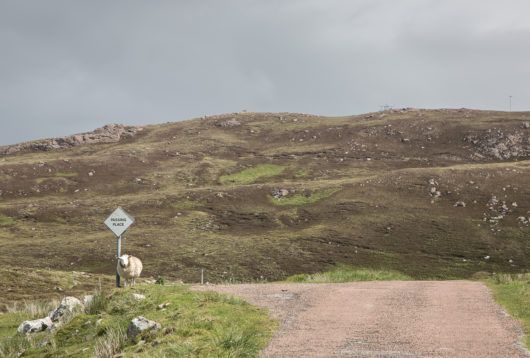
[384, 319]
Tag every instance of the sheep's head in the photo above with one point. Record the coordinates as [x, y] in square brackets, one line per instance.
[124, 260]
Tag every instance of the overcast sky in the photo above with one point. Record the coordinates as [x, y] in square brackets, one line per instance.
[72, 66]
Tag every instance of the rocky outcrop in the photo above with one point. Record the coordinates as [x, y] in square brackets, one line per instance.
[110, 133]
[140, 324]
[501, 145]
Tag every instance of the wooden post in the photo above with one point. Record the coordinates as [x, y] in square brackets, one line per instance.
[202, 277]
[118, 247]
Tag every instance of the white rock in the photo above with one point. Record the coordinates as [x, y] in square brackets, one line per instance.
[138, 296]
[68, 305]
[140, 324]
[37, 325]
[87, 299]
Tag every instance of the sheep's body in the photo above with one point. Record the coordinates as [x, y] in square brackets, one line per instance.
[129, 268]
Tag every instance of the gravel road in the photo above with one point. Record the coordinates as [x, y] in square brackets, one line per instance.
[384, 319]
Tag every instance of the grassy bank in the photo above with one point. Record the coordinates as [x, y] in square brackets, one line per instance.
[513, 292]
[343, 273]
[194, 324]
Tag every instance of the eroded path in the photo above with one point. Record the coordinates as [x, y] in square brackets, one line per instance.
[384, 319]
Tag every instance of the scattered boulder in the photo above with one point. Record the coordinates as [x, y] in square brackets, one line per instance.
[87, 299]
[526, 125]
[434, 193]
[229, 123]
[460, 203]
[140, 324]
[280, 193]
[37, 325]
[68, 305]
[493, 201]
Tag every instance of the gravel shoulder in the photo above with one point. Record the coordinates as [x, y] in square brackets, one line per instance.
[384, 319]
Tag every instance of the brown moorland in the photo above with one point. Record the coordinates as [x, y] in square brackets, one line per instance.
[260, 196]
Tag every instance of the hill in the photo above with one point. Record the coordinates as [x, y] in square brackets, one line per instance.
[261, 196]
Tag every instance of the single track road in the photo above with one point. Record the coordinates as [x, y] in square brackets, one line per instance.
[456, 319]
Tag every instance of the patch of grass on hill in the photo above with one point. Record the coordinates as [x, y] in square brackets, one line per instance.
[194, 324]
[250, 175]
[186, 204]
[344, 273]
[513, 292]
[302, 199]
[65, 174]
[6, 220]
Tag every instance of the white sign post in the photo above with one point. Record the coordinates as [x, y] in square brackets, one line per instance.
[118, 222]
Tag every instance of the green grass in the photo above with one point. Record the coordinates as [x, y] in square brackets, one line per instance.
[344, 273]
[250, 175]
[186, 204]
[302, 199]
[65, 174]
[513, 292]
[194, 324]
[6, 220]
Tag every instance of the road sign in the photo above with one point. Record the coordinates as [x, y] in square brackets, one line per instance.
[119, 221]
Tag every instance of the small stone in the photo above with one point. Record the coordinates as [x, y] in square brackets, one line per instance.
[140, 324]
[138, 296]
[526, 125]
[460, 203]
[486, 257]
[164, 305]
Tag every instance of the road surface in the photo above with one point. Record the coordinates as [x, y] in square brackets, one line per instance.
[384, 319]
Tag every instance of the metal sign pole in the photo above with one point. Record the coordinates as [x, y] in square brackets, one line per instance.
[118, 244]
[118, 222]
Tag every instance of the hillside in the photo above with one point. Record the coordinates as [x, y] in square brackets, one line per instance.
[260, 196]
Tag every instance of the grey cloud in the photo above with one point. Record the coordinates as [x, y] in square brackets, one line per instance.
[71, 66]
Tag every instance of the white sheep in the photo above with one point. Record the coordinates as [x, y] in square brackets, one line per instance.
[129, 268]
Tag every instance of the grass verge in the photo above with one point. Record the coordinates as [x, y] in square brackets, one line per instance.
[250, 175]
[513, 292]
[344, 273]
[194, 324]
